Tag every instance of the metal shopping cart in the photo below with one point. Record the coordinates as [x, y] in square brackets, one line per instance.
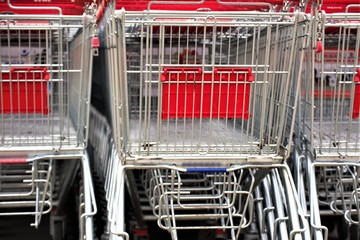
[270, 199]
[106, 167]
[328, 167]
[46, 65]
[191, 97]
[203, 110]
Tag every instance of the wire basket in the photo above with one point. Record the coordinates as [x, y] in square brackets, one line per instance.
[44, 82]
[204, 86]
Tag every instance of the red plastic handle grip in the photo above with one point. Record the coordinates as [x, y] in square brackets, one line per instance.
[101, 10]
[356, 106]
[193, 5]
[13, 161]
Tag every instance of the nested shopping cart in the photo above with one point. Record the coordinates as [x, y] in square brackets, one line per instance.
[203, 109]
[330, 112]
[46, 65]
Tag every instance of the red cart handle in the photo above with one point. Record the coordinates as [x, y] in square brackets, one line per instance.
[219, 2]
[13, 161]
[356, 106]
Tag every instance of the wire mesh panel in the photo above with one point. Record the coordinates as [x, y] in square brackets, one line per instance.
[198, 197]
[338, 188]
[206, 85]
[329, 121]
[44, 82]
[45, 69]
[223, 199]
[194, 94]
[26, 187]
[334, 189]
[275, 219]
[334, 121]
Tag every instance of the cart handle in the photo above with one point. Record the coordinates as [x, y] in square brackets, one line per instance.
[34, 8]
[257, 4]
[205, 170]
[13, 161]
[356, 103]
[269, 5]
[351, 6]
[174, 2]
[101, 10]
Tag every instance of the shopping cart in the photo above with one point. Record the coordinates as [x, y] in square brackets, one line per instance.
[329, 130]
[107, 167]
[184, 200]
[204, 86]
[44, 83]
[46, 65]
[197, 196]
[273, 216]
[203, 102]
